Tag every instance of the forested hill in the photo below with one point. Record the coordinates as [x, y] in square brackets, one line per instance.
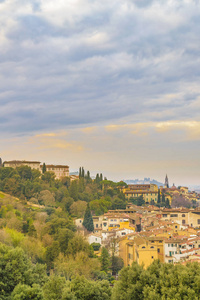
[71, 197]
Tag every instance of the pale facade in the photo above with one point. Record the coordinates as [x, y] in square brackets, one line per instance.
[183, 216]
[59, 170]
[18, 163]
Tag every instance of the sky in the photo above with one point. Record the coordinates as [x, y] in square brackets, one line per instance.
[109, 85]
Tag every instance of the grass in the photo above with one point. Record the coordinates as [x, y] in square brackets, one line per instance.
[2, 195]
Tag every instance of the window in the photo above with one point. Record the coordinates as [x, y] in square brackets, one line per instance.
[152, 247]
[158, 250]
[174, 215]
[104, 224]
[176, 226]
[96, 225]
[183, 222]
[198, 221]
[183, 215]
[164, 215]
[152, 257]
[172, 245]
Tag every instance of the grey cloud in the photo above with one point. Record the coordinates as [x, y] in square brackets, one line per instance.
[67, 77]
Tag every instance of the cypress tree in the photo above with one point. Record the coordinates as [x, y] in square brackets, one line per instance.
[101, 177]
[83, 173]
[80, 173]
[1, 162]
[167, 203]
[44, 168]
[163, 198]
[105, 260]
[88, 220]
[158, 201]
[88, 175]
[97, 179]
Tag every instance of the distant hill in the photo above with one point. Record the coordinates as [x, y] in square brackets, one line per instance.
[143, 181]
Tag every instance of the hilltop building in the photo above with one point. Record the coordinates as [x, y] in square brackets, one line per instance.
[18, 163]
[59, 170]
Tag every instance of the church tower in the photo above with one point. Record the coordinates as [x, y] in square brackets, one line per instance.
[166, 182]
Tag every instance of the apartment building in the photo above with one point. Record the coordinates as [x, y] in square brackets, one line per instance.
[183, 216]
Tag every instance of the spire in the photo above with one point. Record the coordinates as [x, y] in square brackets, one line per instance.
[166, 182]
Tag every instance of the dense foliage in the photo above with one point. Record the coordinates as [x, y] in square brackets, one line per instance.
[158, 281]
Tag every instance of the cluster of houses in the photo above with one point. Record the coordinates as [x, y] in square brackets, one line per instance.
[151, 193]
[144, 234]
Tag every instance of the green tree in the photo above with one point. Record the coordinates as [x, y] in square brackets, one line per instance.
[105, 260]
[16, 268]
[53, 289]
[167, 204]
[88, 220]
[163, 198]
[158, 201]
[44, 168]
[117, 264]
[96, 246]
[73, 190]
[84, 289]
[80, 172]
[25, 292]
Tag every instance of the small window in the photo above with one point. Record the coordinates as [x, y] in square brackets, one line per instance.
[198, 221]
[183, 215]
[152, 257]
[183, 222]
[143, 247]
[158, 250]
[152, 247]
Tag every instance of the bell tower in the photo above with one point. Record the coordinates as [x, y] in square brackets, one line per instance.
[166, 182]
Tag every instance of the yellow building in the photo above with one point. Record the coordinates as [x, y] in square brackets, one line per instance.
[142, 250]
[148, 191]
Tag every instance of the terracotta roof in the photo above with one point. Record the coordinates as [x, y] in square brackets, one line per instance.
[56, 166]
[21, 162]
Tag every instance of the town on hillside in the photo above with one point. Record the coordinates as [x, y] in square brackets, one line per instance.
[157, 223]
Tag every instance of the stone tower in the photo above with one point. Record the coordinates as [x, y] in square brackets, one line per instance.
[166, 182]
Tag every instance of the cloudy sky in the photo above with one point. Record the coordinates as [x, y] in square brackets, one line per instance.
[113, 86]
